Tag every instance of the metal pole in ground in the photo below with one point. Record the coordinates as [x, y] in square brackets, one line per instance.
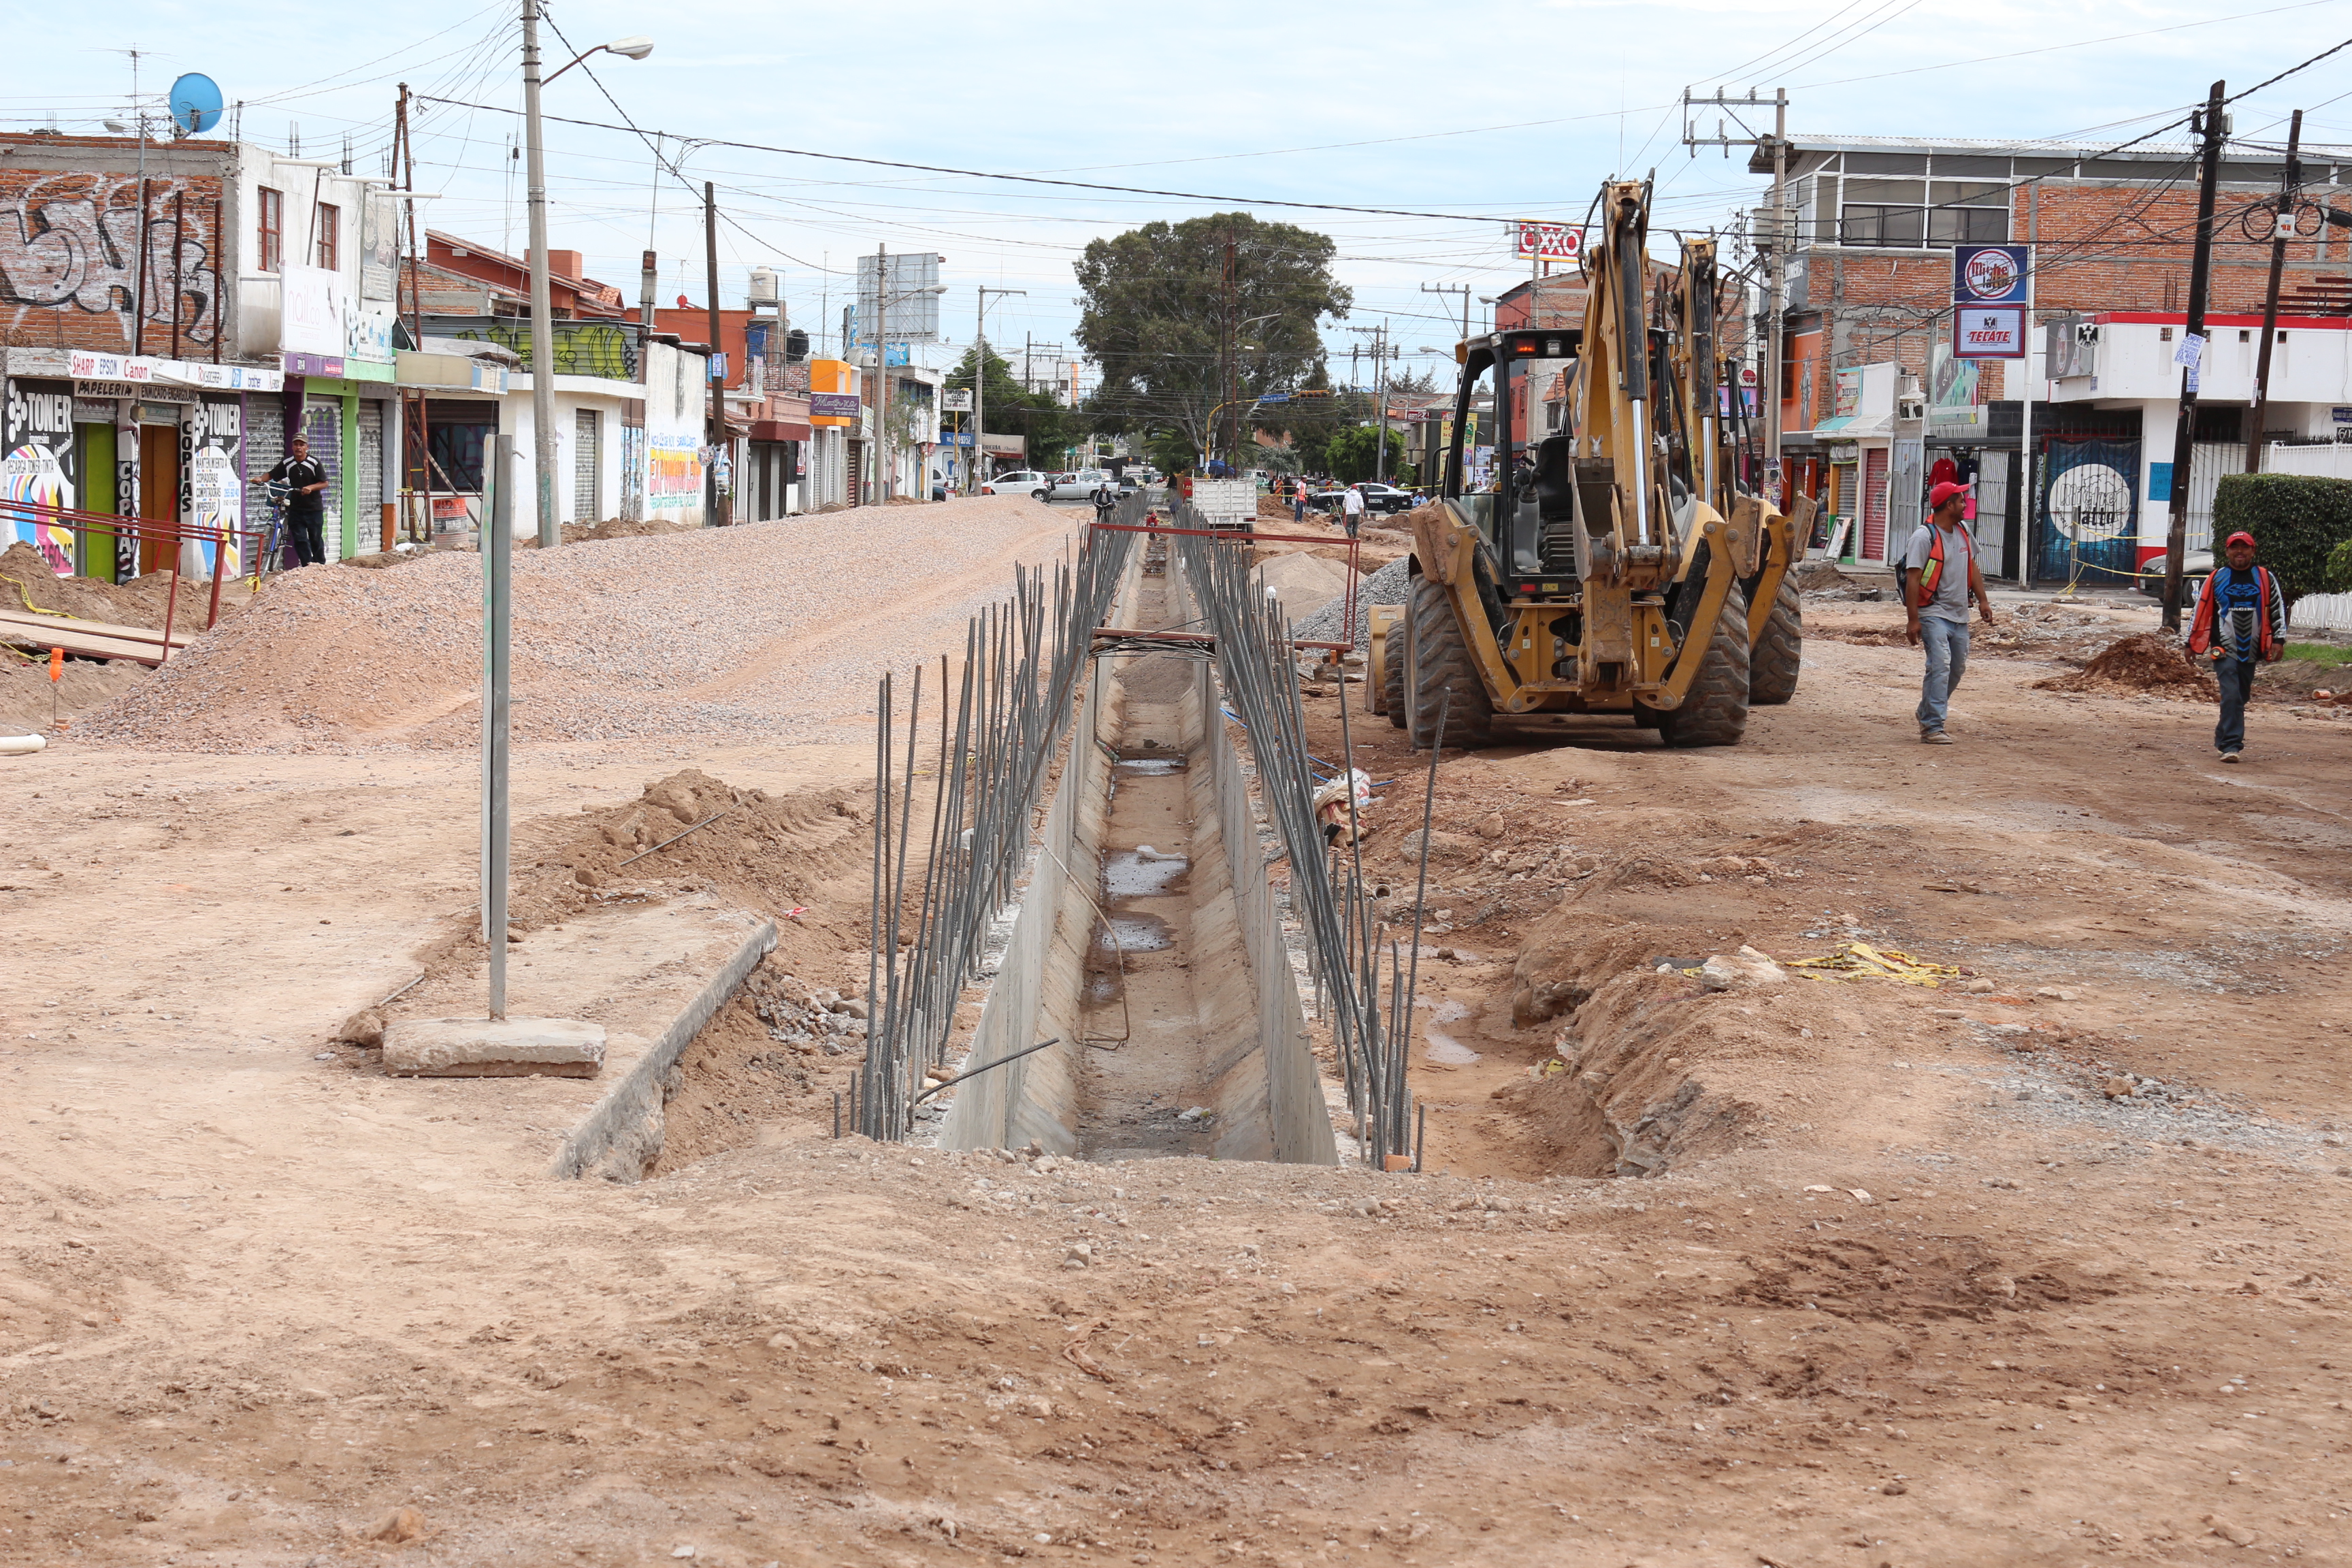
[498, 624]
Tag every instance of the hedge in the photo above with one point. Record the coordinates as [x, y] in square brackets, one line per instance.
[2297, 520]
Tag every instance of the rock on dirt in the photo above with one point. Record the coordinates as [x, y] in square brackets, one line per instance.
[1392, 584]
[2149, 662]
[1442, 846]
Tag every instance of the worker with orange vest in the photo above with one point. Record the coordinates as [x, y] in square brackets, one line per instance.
[2241, 622]
[1940, 577]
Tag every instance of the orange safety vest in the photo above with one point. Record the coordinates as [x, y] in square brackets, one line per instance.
[1933, 572]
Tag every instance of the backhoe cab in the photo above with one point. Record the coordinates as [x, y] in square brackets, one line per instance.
[1590, 569]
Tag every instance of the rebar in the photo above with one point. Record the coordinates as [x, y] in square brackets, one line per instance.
[1370, 1032]
[1023, 661]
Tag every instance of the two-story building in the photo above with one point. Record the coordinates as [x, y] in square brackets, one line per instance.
[170, 314]
[1869, 284]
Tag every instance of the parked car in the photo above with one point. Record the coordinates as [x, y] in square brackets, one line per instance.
[1020, 482]
[1378, 498]
[2196, 565]
[1081, 484]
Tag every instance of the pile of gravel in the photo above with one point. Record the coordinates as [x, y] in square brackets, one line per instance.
[1389, 585]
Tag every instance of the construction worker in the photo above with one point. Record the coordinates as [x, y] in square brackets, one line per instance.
[1940, 577]
[2241, 622]
[1351, 508]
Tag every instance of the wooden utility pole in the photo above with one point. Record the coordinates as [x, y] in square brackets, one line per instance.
[2212, 125]
[2288, 183]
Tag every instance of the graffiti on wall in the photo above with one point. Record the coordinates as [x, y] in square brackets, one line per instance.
[582, 348]
[211, 473]
[36, 473]
[70, 248]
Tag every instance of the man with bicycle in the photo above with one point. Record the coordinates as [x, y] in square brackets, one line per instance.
[305, 479]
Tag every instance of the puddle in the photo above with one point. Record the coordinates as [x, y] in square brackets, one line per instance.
[1451, 1012]
[1143, 873]
[1133, 933]
[1446, 1050]
[1151, 767]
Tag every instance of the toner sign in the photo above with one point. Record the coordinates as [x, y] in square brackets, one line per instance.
[1995, 333]
[1989, 274]
[1547, 241]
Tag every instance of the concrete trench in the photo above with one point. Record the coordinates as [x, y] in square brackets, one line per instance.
[1147, 942]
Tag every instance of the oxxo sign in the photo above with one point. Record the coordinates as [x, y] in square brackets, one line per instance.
[1548, 241]
[1989, 296]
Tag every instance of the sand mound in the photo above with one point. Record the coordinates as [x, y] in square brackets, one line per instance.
[2146, 662]
[1304, 583]
[27, 582]
[738, 630]
[762, 852]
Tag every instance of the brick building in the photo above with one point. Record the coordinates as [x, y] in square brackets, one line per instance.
[1868, 317]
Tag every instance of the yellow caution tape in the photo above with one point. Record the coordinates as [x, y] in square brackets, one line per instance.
[1860, 961]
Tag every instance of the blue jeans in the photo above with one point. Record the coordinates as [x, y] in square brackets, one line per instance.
[1946, 646]
[2237, 679]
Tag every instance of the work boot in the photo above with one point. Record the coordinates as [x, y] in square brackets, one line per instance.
[1933, 738]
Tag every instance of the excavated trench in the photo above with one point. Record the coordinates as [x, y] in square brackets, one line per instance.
[1147, 942]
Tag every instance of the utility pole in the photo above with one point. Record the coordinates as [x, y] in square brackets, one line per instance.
[542, 312]
[2213, 126]
[1461, 289]
[648, 275]
[2288, 184]
[980, 383]
[881, 440]
[714, 503]
[1776, 236]
[1381, 375]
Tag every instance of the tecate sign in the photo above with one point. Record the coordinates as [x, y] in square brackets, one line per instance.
[1997, 333]
[1549, 241]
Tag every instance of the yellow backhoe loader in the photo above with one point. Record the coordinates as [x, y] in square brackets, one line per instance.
[1607, 567]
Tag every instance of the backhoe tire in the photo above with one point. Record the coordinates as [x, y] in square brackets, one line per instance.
[1773, 663]
[1715, 710]
[1392, 674]
[1441, 665]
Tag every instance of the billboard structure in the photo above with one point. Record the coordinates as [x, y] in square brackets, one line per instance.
[911, 310]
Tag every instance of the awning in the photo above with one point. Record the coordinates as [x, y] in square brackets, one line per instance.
[1847, 427]
[781, 430]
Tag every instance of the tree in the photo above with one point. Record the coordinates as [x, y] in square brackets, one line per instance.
[1011, 410]
[1184, 317]
[1349, 454]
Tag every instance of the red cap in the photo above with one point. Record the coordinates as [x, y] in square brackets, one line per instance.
[1943, 492]
[2233, 539]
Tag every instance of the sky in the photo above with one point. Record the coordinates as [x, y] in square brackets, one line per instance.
[1475, 115]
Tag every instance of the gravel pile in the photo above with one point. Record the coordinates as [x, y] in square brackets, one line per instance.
[776, 629]
[1389, 585]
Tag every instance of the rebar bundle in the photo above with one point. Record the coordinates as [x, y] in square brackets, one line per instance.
[1356, 962]
[1022, 662]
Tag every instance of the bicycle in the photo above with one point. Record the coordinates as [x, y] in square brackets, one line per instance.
[271, 557]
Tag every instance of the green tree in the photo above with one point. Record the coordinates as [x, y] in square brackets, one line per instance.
[1349, 454]
[1181, 317]
[1011, 410]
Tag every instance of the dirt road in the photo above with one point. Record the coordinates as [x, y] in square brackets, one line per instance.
[1902, 1283]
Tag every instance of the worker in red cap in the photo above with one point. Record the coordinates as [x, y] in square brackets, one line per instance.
[2241, 622]
[1939, 578]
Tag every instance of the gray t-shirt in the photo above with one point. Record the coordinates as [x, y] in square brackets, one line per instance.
[1950, 600]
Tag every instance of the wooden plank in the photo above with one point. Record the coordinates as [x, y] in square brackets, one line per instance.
[87, 639]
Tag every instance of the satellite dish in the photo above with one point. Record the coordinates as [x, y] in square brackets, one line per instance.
[196, 104]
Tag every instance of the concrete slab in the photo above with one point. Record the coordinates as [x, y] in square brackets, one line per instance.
[485, 1047]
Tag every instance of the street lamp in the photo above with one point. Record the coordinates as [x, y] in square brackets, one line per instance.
[542, 313]
[979, 385]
